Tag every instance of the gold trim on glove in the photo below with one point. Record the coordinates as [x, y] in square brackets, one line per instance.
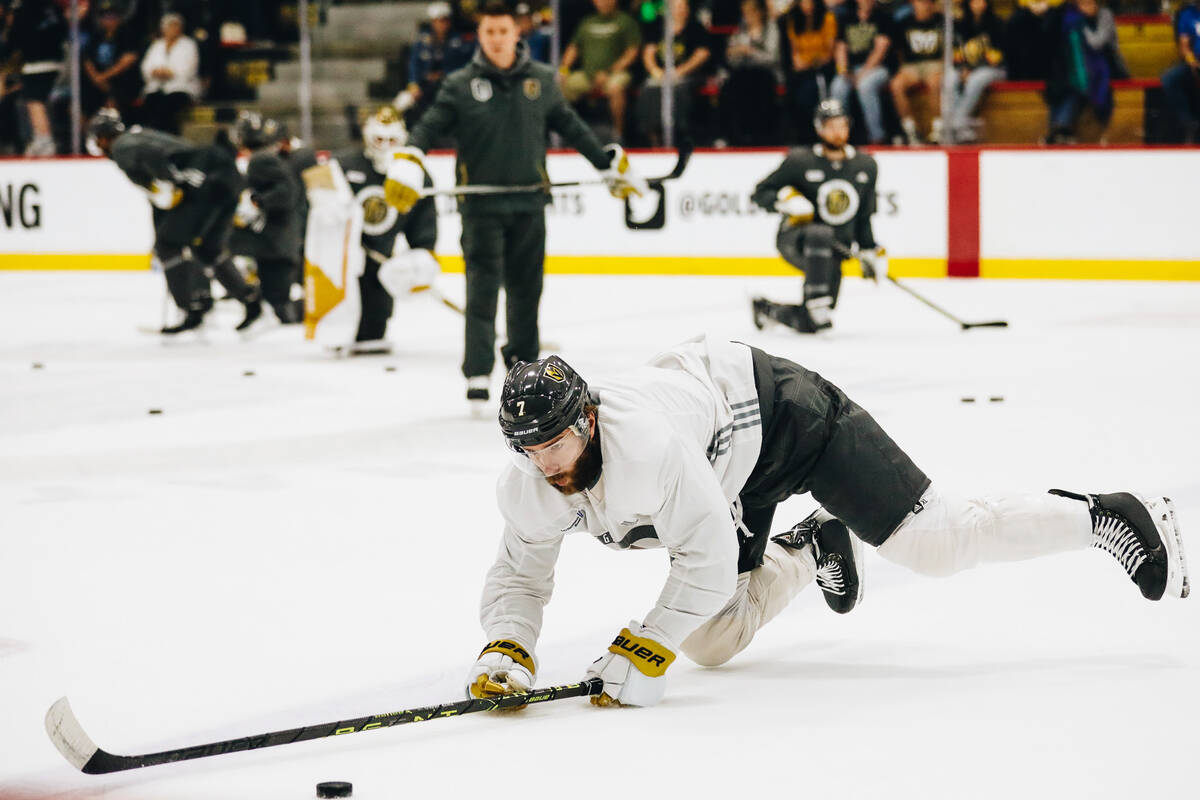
[512, 650]
[650, 657]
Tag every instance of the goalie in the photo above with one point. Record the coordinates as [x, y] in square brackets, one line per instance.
[826, 194]
[396, 247]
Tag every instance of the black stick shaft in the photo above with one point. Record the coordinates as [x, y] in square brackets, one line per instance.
[102, 762]
[923, 299]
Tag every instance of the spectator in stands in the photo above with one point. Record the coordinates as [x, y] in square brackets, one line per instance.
[38, 40]
[808, 33]
[170, 69]
[692, 52]
[748, 101]
[979, 59]
[1181, 83]
[438, 51]
[1081, 75]
[110, 57]
[919, 43]
[862, 46]
[1031, 39]
[597, 60]
[533, 33]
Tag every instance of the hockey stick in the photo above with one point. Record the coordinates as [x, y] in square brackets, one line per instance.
[434, 293]
[963, 324]
[77, 747]
[684, 154]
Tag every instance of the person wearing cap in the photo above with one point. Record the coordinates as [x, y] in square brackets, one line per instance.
[532, 34]
[500, 109]
[598, 59]
[437, 51]
[171, 71]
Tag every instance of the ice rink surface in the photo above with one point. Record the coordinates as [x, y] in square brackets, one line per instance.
[308, 543]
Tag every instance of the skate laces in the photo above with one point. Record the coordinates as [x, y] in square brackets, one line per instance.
[1117, 537]
[831, 575]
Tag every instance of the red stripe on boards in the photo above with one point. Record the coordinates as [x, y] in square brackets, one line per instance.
[962, 223]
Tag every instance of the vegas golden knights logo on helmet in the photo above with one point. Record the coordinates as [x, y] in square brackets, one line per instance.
[554, 373]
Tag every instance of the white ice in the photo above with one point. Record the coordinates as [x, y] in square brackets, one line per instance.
[308, 544]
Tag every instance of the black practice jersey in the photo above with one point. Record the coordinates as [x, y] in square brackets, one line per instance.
[841, 191]
[382, 223]
[148, 155]
[275, 190]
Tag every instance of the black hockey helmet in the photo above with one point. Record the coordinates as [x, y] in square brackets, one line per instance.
[253, 131]
[828, 109]
[540, 400]
[106, 124]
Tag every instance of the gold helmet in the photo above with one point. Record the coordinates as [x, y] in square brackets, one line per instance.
[383, 132]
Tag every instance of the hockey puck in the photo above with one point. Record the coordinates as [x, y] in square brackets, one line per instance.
[154, 411]
[37, 365]
[968, 399]
[389, 369]
[995, 399]
[335, 789]
[248, 373]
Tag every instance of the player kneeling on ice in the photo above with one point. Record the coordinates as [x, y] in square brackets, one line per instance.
[826, 194]
[194, 190]
[692, 452]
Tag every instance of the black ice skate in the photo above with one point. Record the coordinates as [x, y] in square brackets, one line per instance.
[1143, 536]
[477, 389]
[838, 556]
[253, 310]
[191, 321]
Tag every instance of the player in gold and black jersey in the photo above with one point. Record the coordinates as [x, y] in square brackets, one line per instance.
[826, 194]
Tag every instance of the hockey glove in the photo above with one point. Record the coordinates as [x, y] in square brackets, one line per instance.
[504, 667]
[793, 205]
[632, 670]
[189, 177]
[409, 272]
[874, 263]
[405, 178]
[620, 178]
[164, 195]
[248, 214]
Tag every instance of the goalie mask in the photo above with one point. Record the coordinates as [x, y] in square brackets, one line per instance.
[541, 400]
[383, 133]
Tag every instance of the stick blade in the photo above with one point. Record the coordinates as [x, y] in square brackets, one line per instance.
[999, 323]
[68, 735]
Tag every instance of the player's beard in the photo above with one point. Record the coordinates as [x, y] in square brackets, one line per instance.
[584, 473]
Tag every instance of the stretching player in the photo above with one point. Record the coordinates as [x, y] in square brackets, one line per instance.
[267, 224]
[826, 193]
[693, 452]
[194, 191]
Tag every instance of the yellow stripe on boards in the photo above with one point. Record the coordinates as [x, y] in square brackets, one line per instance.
[74, 261]
[715, 265]
[1070, 269]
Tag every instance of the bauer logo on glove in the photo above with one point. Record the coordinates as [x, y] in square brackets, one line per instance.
[632, 669]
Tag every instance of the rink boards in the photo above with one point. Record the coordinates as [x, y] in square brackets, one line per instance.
[967, 212]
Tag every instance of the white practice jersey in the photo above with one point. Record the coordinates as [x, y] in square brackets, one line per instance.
[678, 439]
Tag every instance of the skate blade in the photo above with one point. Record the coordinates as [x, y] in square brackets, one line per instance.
[856, 547]
[1162, 511]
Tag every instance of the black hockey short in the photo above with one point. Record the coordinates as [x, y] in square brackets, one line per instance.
[816, 439]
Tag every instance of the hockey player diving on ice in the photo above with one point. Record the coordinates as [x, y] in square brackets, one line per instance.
[692, 452]
[826, 194]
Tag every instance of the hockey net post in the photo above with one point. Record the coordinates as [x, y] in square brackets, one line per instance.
[78, 748]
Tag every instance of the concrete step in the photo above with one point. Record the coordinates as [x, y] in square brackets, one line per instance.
[334, 69]
[368, 30]
[325, 94]
[329, 133]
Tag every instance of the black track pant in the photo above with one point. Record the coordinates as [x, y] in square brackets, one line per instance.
[190, 241]
[506, 250]
[276, 276]
[816, 439]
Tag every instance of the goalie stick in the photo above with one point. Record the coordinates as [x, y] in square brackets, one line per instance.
[77, 747]
[963, 324]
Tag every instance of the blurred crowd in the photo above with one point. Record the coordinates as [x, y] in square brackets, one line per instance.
[750, 72]
[152, 60]
[746, 72]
